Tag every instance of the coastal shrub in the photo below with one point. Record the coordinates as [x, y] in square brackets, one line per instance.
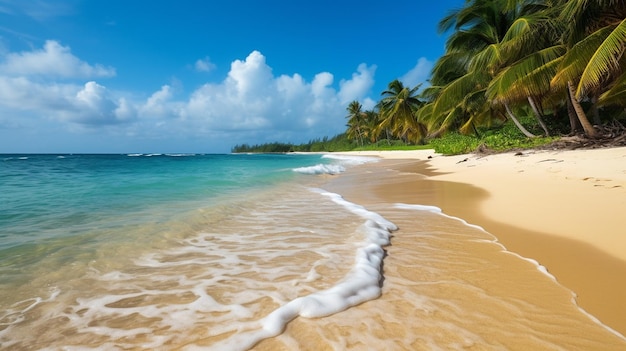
[455, 143]
[499, 138]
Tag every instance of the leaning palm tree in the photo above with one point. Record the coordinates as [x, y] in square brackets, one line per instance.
[596, 40]
[474, 47]
[398, 109]
[527, 58]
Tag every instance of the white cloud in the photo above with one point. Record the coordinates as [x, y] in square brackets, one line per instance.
[54, 60]
[250, 76]
[158, 104]
[418, 74]
[89, 105]
[204, 65]
[249, 105]
[357, 87]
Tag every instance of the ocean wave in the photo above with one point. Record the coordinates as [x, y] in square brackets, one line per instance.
[180, 155]
[339, 165]
[321, 169]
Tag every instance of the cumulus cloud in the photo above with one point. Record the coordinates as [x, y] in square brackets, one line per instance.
[418, 74]
[93, 105]
[249, 76]
[250, 104]
[360, 84]
[53, 60]
[90, 105]
[158, 104]
[252, 98]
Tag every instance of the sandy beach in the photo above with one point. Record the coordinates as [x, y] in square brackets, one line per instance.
[563, 209]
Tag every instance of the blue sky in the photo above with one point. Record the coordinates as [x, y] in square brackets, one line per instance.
[200, 76]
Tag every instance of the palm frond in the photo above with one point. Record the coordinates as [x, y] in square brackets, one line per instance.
[454, 93]
[576, 59]
[616, 94]
[604, 60]
[529, 76]
[488, 59]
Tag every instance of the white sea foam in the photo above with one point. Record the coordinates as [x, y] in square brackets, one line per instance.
[339, 165]
[321, 169]
[252, 268]
[361, 284]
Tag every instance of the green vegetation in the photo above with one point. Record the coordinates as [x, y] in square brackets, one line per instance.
[337, 143]
[494, 139]
[512, 70]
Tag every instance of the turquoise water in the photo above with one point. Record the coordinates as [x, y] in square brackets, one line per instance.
[59, 196]
[97, 251]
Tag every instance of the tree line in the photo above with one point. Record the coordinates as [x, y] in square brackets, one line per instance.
[561, 62]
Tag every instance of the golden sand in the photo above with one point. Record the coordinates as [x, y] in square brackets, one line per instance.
[451, 286]
[564, 209]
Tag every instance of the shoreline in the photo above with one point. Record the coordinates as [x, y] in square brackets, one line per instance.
[559, 208]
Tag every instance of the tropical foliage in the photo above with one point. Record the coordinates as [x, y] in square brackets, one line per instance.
[528, 67]
[559, 61]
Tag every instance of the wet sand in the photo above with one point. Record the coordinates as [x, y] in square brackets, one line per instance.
[448, 285]
[563, 209]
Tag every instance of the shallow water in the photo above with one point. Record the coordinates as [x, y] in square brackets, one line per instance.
[177, 266]
[152, 252]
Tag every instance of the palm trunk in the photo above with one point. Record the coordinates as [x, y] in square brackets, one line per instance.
[580, 113]
[436, 134]
[595, 114]
[538, 115]
[574, 123]
[517, 123]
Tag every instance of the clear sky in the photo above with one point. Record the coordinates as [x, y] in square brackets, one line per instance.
[201, 76]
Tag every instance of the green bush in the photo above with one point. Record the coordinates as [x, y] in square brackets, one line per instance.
[500, 138]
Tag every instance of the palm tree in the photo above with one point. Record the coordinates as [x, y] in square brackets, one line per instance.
[398, 109]
[508, 56]
[473, 57]
[528, 55]
[596, 40]
[356, 121]
[369, 128]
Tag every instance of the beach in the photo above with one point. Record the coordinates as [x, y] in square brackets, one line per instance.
[563, 209]
[359, 251]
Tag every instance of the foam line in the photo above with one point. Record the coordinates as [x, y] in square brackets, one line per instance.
[540, 267]
[361, 284]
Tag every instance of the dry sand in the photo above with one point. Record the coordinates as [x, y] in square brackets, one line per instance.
[564, 209]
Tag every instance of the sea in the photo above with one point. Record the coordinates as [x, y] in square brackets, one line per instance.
[226, 252]
[153, 251]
